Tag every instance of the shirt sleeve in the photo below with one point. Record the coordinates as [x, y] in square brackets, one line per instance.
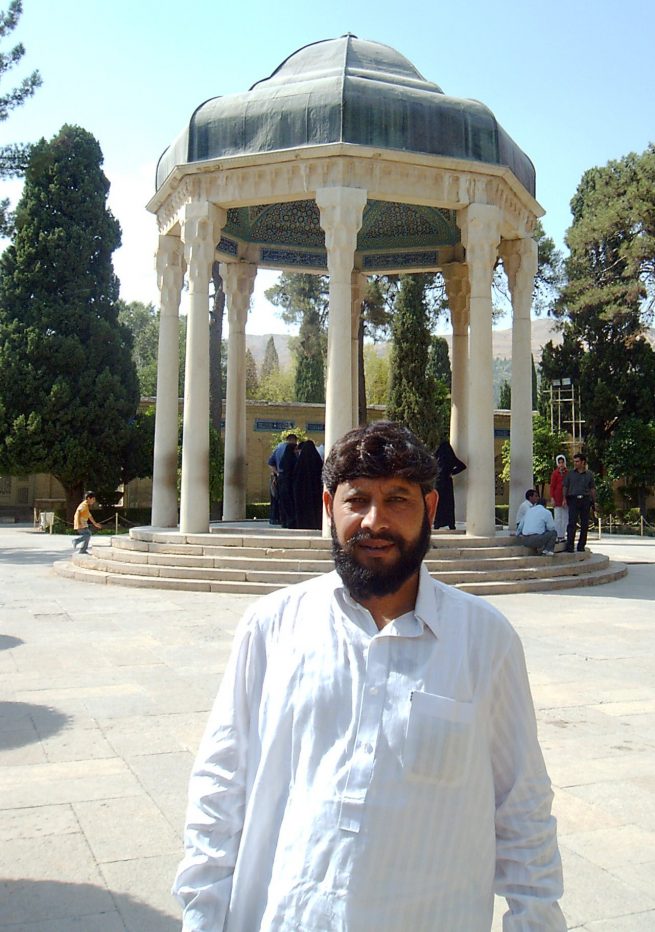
[217, 794]
[528, 866]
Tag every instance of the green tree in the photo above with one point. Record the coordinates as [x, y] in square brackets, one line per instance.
[142, 320]
[439, 361]
[279, 385]
[546, 444]
[376, 365]
[413, 396]
[252, 379]
[505, 400]
[303, 299]
[13, 158]
[608, 299]
[630, 455]
[271, 362]
[308, 349]
[68, 385]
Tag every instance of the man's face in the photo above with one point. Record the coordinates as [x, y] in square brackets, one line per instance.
[380, 532]
[579, 465]
[534, 498]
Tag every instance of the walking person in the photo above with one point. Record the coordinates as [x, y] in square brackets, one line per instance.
[371, 761]
[560, 508]
[580, 493]
[82, 522]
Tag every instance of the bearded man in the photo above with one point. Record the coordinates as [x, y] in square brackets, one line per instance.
[371, 761]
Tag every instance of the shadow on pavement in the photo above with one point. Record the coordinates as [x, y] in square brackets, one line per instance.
[33, 557]
[22, 723]
[38, 906]
[7, 642]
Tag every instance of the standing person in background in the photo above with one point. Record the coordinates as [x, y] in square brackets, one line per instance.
[580, 492]
[449, 466]
[275, 465]
[82, 522]
[285, 485]
[557, 496]
[308, 487]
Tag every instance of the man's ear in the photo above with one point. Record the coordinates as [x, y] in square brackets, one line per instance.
[327, 503]
[431, 502]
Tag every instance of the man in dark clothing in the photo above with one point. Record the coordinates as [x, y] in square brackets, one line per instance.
[580, 493]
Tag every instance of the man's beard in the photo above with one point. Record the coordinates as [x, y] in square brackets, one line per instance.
[363, 582]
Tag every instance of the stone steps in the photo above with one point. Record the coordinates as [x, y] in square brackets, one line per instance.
[259, 562]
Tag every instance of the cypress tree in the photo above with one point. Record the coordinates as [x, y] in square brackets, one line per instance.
[413, 396]
[68, 384]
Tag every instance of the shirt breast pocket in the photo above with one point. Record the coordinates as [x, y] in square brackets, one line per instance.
[439, 739]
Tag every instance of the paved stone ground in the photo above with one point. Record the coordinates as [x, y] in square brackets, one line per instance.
[104, 692]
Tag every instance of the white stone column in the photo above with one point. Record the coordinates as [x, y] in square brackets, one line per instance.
[458, 290]
[520, 263]
[358, 287]
[480, 225]
[170, 276]
[238, 281]
[201, 230]
[341, 212]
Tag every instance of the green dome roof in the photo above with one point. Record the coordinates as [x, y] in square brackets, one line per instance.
[346, 90]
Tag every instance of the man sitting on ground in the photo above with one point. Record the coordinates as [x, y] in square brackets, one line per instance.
[537, 529]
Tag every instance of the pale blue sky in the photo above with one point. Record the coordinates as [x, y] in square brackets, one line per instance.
[572, 82]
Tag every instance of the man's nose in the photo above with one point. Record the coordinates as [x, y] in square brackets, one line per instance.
[375, 518]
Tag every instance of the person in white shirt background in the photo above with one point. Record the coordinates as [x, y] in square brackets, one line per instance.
[371, 761]
[536, 529]
[531, 496]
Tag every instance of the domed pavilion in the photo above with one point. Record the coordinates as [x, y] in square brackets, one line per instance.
[344, 161]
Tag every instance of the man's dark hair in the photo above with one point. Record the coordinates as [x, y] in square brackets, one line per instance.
[290, 438]
[90, 494]
[376, 451]
[529, 494]
[580, 456]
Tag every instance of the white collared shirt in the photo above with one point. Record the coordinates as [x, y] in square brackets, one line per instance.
[353, 780]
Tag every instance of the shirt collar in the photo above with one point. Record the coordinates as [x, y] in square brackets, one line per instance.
[426, 608]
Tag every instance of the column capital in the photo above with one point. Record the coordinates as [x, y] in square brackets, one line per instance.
[480, 226]
[341, 212]
[458, 292]
[170, 266]
[238, 281]
[519, 258]
[201, 227]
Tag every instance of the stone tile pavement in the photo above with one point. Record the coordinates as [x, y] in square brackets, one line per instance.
[104, 693]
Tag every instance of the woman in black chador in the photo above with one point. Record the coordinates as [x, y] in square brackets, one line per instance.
[308, 487]
[449, 466]
[285, 478]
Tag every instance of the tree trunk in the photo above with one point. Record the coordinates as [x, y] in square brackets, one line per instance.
[361, 375]
[216, 351]
[74, 494]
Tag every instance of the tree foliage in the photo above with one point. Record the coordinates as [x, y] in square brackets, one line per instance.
[13, 157]
[546, 445]
[414, 398]
[608, 299]
[252, 379]
[142, 320]
[271, 361]
[304, 301]
[68, 385]
[439, 361]
[630, 455]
